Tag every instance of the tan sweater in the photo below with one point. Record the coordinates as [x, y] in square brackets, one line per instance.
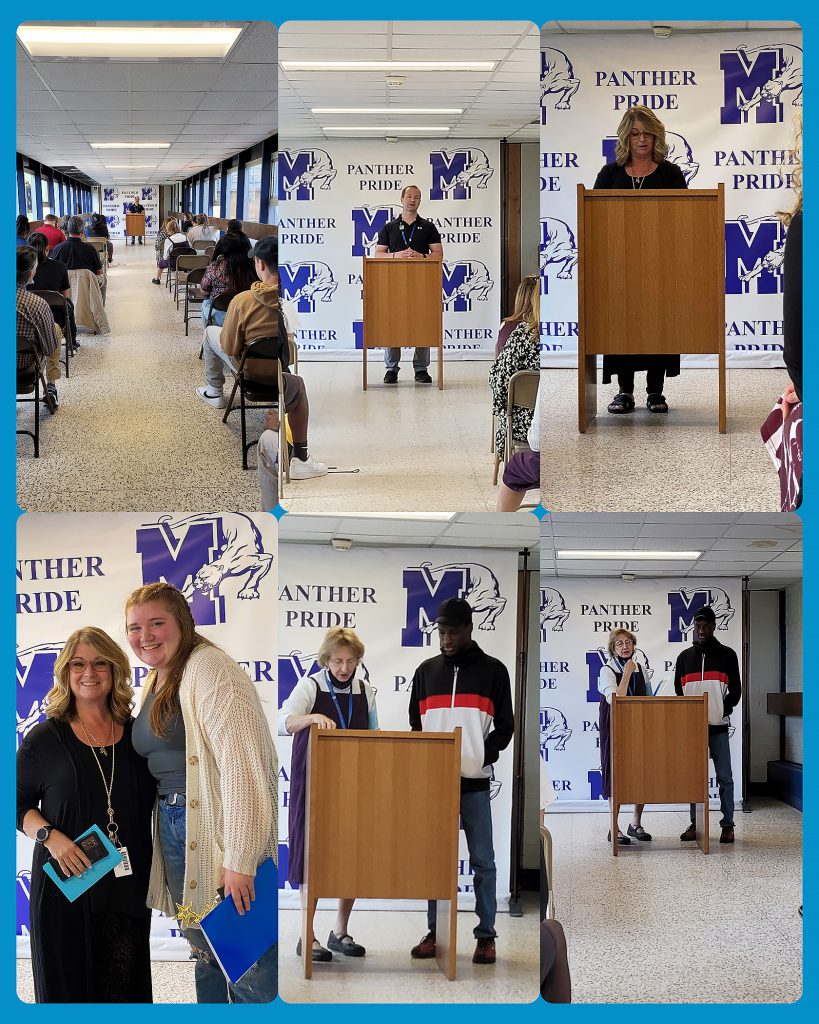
[251, 315]
[231, 810]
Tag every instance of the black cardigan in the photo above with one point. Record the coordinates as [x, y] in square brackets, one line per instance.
[792, 302]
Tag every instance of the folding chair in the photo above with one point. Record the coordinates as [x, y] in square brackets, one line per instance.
[202, 244]
[522, 392]
[193, 296]
[184, 264]
[258, 394]
[59, 303]
[30, 379]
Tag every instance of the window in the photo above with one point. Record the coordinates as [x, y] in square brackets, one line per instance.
[31, 206]
[232, 189]
[273, 201]
[217, 196]
[253, 190]
[46, 201]
[206, 196]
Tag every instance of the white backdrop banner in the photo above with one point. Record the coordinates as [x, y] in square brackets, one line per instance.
[335, 197]
[390, 597]
[78, 570]
[728, 102]
[115, 203]
[576, 617]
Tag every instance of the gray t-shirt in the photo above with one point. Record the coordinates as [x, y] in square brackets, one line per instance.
[166, 755]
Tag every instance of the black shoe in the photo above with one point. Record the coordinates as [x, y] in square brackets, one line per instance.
[621, 839]
[422, 377]
[727, 834]
[391, 377]
[345, 944]
[690, 834]
[657, 403]
[51, 399]
[623, 402]
[320, 954]
[140, 241]
[133, 242]
[638, 832]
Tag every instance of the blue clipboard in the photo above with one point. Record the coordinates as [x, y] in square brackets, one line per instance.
[239, 941]
[75, 886]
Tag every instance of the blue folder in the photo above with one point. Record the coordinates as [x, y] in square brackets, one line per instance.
[75, 886]
[237, 941]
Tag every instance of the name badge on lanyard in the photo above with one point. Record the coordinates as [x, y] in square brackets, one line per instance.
[403, 233]
[343, 722]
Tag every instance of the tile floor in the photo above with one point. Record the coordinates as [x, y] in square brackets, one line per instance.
[172, 982]
[665, 923]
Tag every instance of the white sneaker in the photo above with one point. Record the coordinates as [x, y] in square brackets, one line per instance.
[218, 402]
[307, 469]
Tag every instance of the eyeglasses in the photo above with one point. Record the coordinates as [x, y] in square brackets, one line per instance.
[641, 135]
[623, 643]
[343, 662]
[78, 665]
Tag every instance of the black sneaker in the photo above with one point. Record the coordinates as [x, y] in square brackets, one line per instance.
[638, 832]
[345, 944]
[422, 377]
[51, 391]
[391, 377]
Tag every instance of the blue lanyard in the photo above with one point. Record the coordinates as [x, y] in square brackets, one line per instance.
[343, 722]
[403, 235]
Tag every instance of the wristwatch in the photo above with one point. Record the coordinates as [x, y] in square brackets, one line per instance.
[42, 834]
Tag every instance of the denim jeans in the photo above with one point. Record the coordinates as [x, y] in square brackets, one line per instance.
[217, 316]
[720, 751]
[259, 985]
[420, 361]
[476, 821]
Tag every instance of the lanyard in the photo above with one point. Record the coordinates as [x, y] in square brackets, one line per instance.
[412, 233]
[343, 722]
[112, 827]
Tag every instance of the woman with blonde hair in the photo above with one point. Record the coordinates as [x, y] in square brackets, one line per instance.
[201, 229]
[626, 674]
[640, 163]
[337, 697]
[519, 351]
[169, 227]
[202, 728]
[77, 769]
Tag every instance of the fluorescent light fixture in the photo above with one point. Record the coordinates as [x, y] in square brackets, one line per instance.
[129, 167]
[630, 556]
[126, 42]
[386, 110]
[130, 145]
[388, 129]
[389, 65]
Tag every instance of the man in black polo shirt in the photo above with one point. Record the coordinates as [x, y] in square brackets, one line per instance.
[136, 207]
[74, 252]
[409, 237]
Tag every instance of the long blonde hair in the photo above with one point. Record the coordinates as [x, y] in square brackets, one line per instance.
[653, 124]
[60, 702]
[166, 704]
[527, 302]
[796, 175]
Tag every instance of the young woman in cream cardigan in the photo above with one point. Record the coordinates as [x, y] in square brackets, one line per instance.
[208, 744]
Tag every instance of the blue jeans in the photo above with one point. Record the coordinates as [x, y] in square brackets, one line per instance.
[259, 985]
[476, 821]
[420, 361]
[720, 751]
[217, 316]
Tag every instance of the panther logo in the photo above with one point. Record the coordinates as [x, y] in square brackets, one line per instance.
[482, 592]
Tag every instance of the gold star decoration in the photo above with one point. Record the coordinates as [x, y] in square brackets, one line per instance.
[186, 916]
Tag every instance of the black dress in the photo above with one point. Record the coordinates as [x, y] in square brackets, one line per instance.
[96, 949]
[636, 688]
[666, 175]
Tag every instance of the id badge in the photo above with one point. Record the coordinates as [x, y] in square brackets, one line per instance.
[123, 869]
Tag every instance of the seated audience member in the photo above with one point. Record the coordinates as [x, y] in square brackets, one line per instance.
[520, 351]
[252, 315]
[234, 227]
[201, 230]
[52, 276]
[522, 471]
[23, 230]
[232, 273]
[176, 237]
[35, 321]
[98, 228]
[52, 232]
[62, 224]
[75, 253]
[187, 221]
[164, 233]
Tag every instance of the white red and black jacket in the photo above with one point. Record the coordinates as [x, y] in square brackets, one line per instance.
[470, 690]
[713, 669]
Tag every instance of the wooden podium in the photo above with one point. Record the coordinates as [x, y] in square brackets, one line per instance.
[651, 280]
[403, 307]
[381, 822]
[134, 225]
[659, 755]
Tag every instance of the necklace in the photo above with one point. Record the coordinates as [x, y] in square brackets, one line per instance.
[635, 178]
[93, 741]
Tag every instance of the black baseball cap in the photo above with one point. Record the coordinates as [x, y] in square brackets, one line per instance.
[706, 613]
[267, 249]
[454, 612]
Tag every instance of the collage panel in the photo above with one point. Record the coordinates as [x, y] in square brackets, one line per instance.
[140, 145]
[671, 181]
[425, 629]
[408, 219]
[147, 809]
[671, 757]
